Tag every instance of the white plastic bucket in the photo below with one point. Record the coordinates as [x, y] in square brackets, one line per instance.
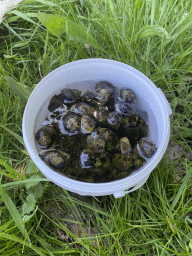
[150, 99]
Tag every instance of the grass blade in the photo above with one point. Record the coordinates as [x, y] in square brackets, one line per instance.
[18, 137]
[18, 45]
[46, 245]
[184, 23]
[2, 70]
[153, 11]
[15, 184]
[50, 3]
[151, 30]
[23, 16]
[11, 172]
[20, 89]
[19, 240]
[6, 225]
[182, 188]
[13, 31]
[14, 213]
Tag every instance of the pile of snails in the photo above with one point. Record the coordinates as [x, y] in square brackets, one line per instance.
[97, 136]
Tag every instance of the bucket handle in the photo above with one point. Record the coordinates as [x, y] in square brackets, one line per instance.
[134, 187]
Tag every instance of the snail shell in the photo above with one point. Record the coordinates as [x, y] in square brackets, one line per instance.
[70, 95]
[70, 124]
[87, 124]
[104, 90]
[147, 147]
[127, 95]
[45, 136]
[54, 158]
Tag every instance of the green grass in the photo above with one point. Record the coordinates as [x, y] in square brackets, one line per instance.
[155, 38]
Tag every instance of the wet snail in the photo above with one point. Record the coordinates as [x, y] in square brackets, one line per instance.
[97, 136]
[147, 147]
[54, 158]
[127, 95]
[45, 136]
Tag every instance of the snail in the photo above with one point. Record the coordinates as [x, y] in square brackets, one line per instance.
[45, 136]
